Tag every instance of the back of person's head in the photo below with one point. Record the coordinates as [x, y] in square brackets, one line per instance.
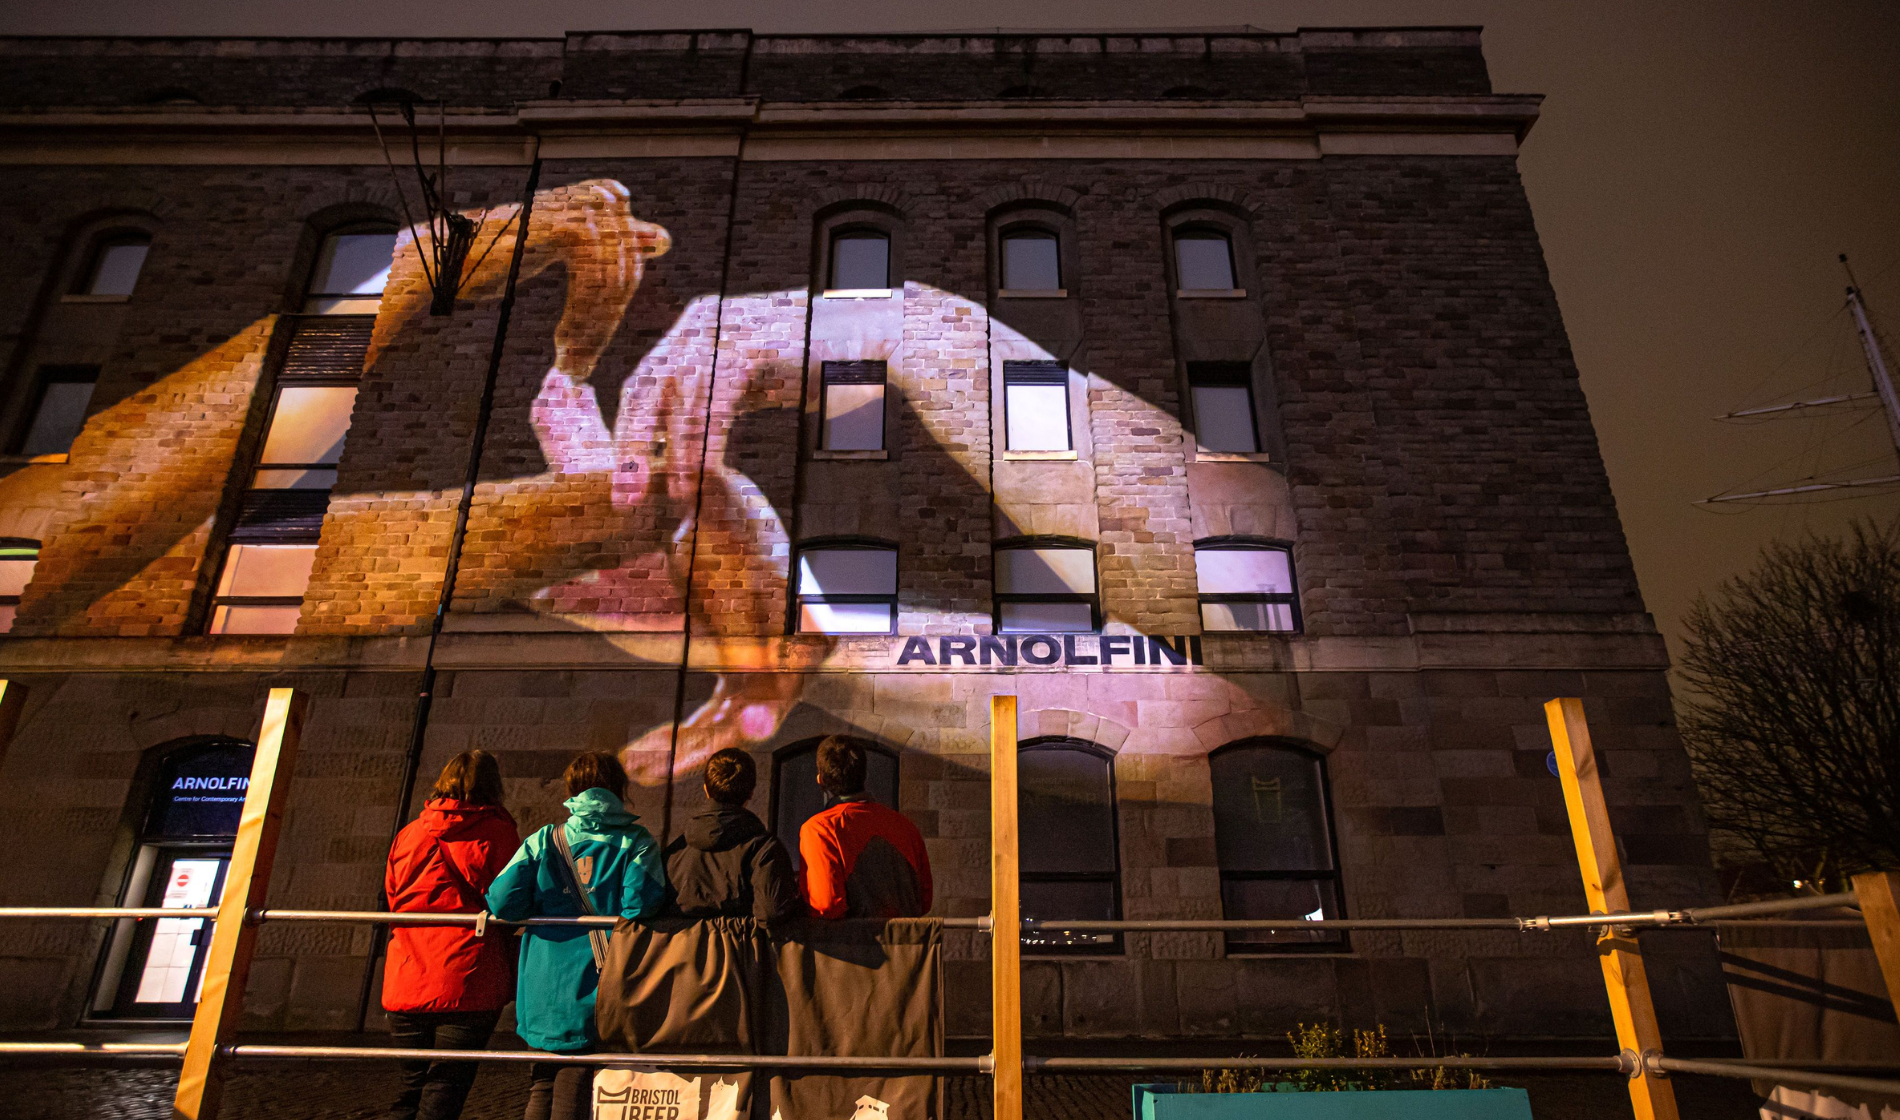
[730, 777]
[472, 776]
[841, 765]
[595, 770]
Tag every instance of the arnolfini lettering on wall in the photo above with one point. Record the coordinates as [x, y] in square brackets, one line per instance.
[1014, 651]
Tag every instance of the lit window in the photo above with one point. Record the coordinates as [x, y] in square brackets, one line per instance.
[1204, 261]
[59, 409]
[352, 268]
[1045, 590]
[261, 588]
[852, 416]
[860, 259]
[1036, 406]
[1032, 262]
[304, 442]
[115, 266]
[17, 560]
[1070, 859]
[847, 590]
[1246, 585]
[1223, 407]
[1273, 837]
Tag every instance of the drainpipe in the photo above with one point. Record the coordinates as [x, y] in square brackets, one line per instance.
[425, 693]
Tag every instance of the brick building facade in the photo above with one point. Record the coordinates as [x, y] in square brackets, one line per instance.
[1334, 518]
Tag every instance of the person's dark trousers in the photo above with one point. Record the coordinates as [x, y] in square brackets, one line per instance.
[435, 1090]
[559, 1092]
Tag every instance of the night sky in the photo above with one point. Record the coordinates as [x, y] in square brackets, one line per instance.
[1698, 167]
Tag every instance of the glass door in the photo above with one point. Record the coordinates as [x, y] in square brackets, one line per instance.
[161, 972]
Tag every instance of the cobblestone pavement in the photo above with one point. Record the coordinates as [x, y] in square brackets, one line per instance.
[304, 1092]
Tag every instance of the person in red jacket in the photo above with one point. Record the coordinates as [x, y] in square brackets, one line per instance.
[862, 859]
[443, 986]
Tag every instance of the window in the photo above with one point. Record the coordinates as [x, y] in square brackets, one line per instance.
[1223, 407]
[115, 265]
[60, 397]
[1036, 406]
[18, 557]
[851, 415]
[1273, 836]
[1246, 585]
[352, 268]
[304, 441]
[1071, 866]
[1032, 261]
[1045, 589]
[797, 796]
[847, 589]
[1204, 261]
[860, 259]
[261, 588]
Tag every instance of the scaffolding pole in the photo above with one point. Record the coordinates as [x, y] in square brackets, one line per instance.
[1006, 942]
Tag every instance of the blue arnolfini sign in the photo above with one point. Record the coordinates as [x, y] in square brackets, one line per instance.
[1010, 651]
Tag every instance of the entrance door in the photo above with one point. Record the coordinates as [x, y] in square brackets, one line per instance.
[162, 972]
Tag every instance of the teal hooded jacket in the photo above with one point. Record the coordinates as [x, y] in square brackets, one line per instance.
[625, 876]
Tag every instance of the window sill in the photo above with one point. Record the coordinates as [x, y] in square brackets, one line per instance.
[80, 297]
[29, 460]
[1201, 456]
[1040, 456]
[857, 293]
[1210, 293]
[1032, 293]
[852, 456]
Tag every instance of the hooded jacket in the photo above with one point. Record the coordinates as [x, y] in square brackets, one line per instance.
[864, 860]
[621, 870]
[441, 863]
[726, 865]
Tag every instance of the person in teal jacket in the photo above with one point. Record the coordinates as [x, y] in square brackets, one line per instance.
[622, 870]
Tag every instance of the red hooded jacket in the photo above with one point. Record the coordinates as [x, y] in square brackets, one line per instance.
[863, 860]
[442, 862]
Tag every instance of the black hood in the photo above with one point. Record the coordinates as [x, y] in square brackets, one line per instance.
[722, 828]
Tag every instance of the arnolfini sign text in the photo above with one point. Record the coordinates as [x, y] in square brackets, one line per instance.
[1010, 651]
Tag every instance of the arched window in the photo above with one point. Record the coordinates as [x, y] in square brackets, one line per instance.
[1045, 586]
[797, 796]
[1204, 260]
[1273, 835]
[153, 969]
[847, 587]
[18, 557]
[351, 270]
[113, 268]
[1246, 584]
[1031, 259]
[860, 260]
[1070, 854]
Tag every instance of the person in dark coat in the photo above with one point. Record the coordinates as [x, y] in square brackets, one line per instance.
[443, 986]
[726, 863]
[862, 859]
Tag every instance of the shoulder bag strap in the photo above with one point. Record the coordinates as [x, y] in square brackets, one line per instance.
[596, 938]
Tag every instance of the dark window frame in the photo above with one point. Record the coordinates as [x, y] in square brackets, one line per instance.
[1033, 226]
[858, 228]
[844, 544]
[1326, 941]
[1217, 375]
[368, 225]
[852, 371]
[1255, 544]
[1200, 229]
[1046, 543]
[45, 376]
[1044, 373]
[1116, 944]
[98, 243]
[18, 544]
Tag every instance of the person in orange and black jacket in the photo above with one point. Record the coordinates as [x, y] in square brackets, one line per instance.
[861, 859]
[443, 986]
[726, 863]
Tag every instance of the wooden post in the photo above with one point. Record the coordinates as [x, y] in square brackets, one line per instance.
[1622, 959]
[12, 703]
[228, 963]
[1006, 934]
[1879, 893]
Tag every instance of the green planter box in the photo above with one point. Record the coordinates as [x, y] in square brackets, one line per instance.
[1165, 1102]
